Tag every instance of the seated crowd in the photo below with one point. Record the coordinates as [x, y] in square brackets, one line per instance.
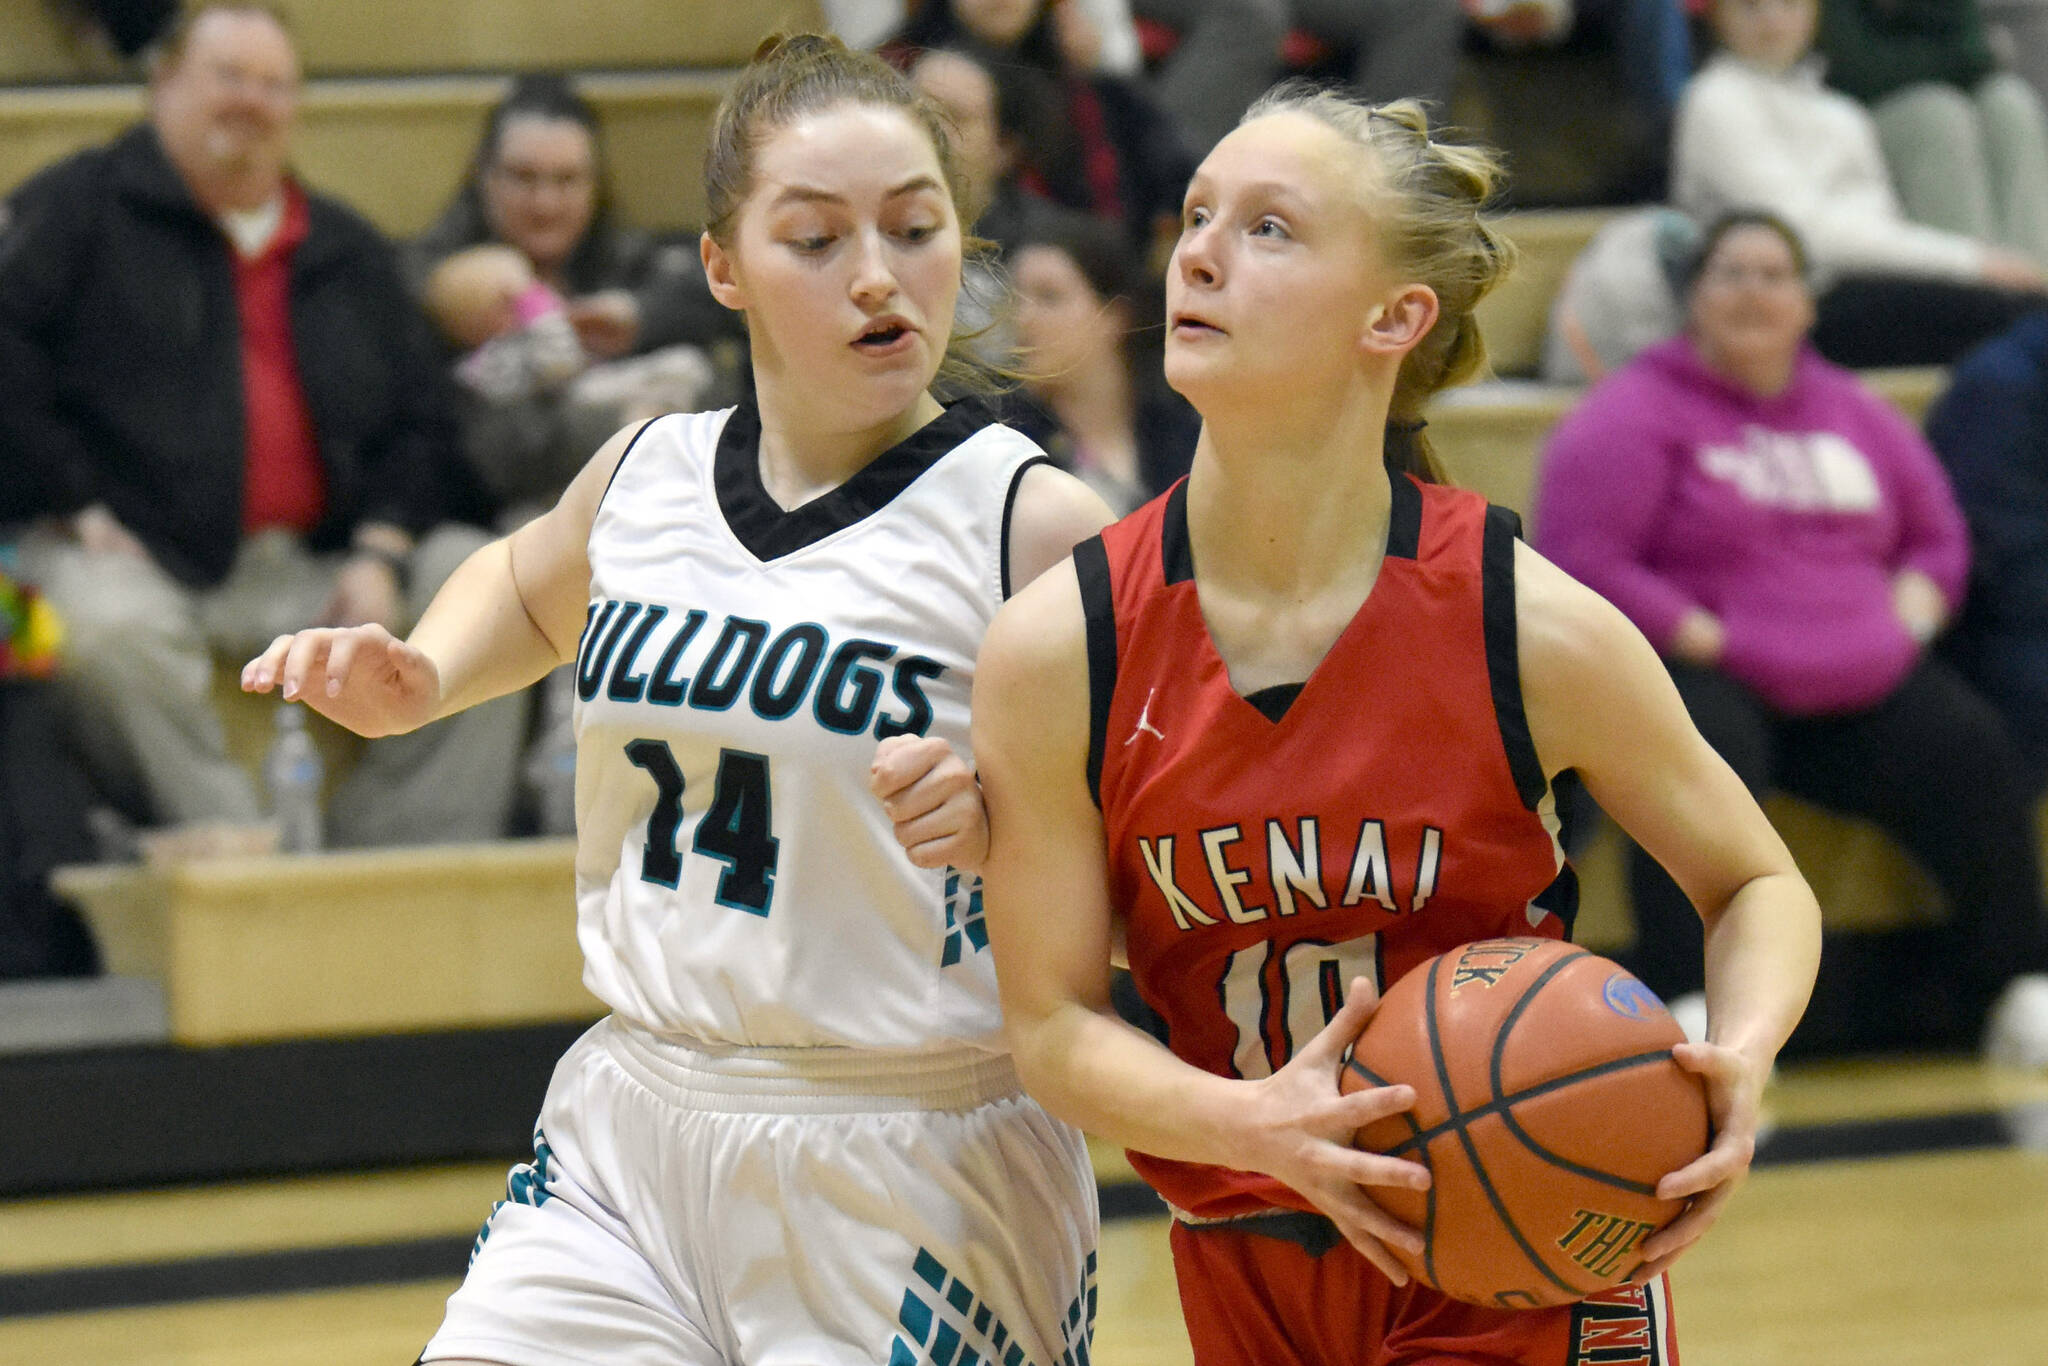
[235, 409]
[1789, 544]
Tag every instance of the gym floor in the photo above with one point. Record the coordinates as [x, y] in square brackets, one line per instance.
[1899, 1215]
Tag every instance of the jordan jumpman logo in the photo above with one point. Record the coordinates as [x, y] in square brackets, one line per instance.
[1145, 725]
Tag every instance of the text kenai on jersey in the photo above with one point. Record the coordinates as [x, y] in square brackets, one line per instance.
[1279, 872]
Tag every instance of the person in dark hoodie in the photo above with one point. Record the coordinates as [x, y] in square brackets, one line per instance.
[230, 421]
[1991, 431]
[1789, 544]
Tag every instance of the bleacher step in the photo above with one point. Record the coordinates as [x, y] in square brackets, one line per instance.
[458, 35]
[346, 943]
[93, 1012]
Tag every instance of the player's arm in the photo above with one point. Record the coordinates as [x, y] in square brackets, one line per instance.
[508, 615]
[1046, 889]
[928, 791]
[515, 609]
[1600, 701]
[1053, 512]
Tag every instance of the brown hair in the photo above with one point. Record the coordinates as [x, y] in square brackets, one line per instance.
[1430, 227]
[169, 48]
[793, 76]
[1713, 234]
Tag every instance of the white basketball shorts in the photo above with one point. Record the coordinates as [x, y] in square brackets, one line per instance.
[783, 1207]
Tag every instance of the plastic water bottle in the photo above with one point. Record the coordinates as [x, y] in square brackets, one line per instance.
[292, 772]
[551, 763]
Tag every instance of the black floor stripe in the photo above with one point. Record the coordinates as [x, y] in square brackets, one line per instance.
[75, 1118]
[2023, 1126]
[83, 1289]
[76, 1290]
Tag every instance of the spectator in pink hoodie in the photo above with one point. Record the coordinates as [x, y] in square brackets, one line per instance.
[1789, 543]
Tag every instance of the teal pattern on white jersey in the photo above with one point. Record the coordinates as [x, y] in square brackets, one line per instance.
[736, 883]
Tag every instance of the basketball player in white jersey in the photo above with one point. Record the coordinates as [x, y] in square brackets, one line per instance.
[797, 1138]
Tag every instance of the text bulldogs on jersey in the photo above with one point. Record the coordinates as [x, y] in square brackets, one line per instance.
[637, 652]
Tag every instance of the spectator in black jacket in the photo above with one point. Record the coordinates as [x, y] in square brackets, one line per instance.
[230, 418]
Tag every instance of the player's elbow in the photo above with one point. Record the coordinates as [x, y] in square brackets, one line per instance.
[1038, 1035]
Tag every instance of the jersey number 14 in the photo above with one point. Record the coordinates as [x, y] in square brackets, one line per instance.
[736, 829]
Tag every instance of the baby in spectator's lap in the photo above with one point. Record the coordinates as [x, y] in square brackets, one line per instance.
[512, 326]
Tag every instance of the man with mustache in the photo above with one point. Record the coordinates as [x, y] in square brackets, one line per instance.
[230, 416]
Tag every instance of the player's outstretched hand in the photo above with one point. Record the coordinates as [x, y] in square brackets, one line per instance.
[1735, 1089]
[362, 677]
[1303, 1130]
[934, 799]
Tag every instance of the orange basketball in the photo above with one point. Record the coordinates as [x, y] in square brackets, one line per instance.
[1547, 1107]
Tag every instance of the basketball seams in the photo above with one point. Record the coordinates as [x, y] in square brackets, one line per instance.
[1458, 1124]
[1500, 1106]
[1406, 1117]
[1443, 1081]
[1504, 1105]
[1514, 1016]
[1506, 1110]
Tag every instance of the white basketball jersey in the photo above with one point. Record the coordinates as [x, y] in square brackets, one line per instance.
[736, 882]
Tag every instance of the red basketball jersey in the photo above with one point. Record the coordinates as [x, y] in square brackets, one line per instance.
[1396, 809]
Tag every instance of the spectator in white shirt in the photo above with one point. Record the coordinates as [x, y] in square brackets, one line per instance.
[1757, 129]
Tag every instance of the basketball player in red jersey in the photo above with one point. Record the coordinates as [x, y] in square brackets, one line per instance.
[1292, 727]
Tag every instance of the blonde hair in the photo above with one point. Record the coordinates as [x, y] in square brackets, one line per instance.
[1431, 229]
[793, 76]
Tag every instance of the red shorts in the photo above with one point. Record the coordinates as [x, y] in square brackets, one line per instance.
[1257, 1299]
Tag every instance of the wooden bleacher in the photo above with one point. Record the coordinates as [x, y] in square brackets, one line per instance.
[398, 149]
[410, 37]
[398, 91]
[346, 943]
[1490, 436]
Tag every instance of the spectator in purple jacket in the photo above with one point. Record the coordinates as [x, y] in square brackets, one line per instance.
[1790, 544]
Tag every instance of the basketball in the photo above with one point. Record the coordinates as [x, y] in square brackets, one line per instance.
[1547, 1107]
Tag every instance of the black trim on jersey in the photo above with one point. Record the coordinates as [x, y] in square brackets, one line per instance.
[1098, 607]
[1009, 507]
[1404, 528]
[1314, 1234]
[1589, 1314]
[1404, 519]
[1273, 702]
[769, 532]
[1175, 555]
[1561, 898]
[633, 441]
[1503, 653]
